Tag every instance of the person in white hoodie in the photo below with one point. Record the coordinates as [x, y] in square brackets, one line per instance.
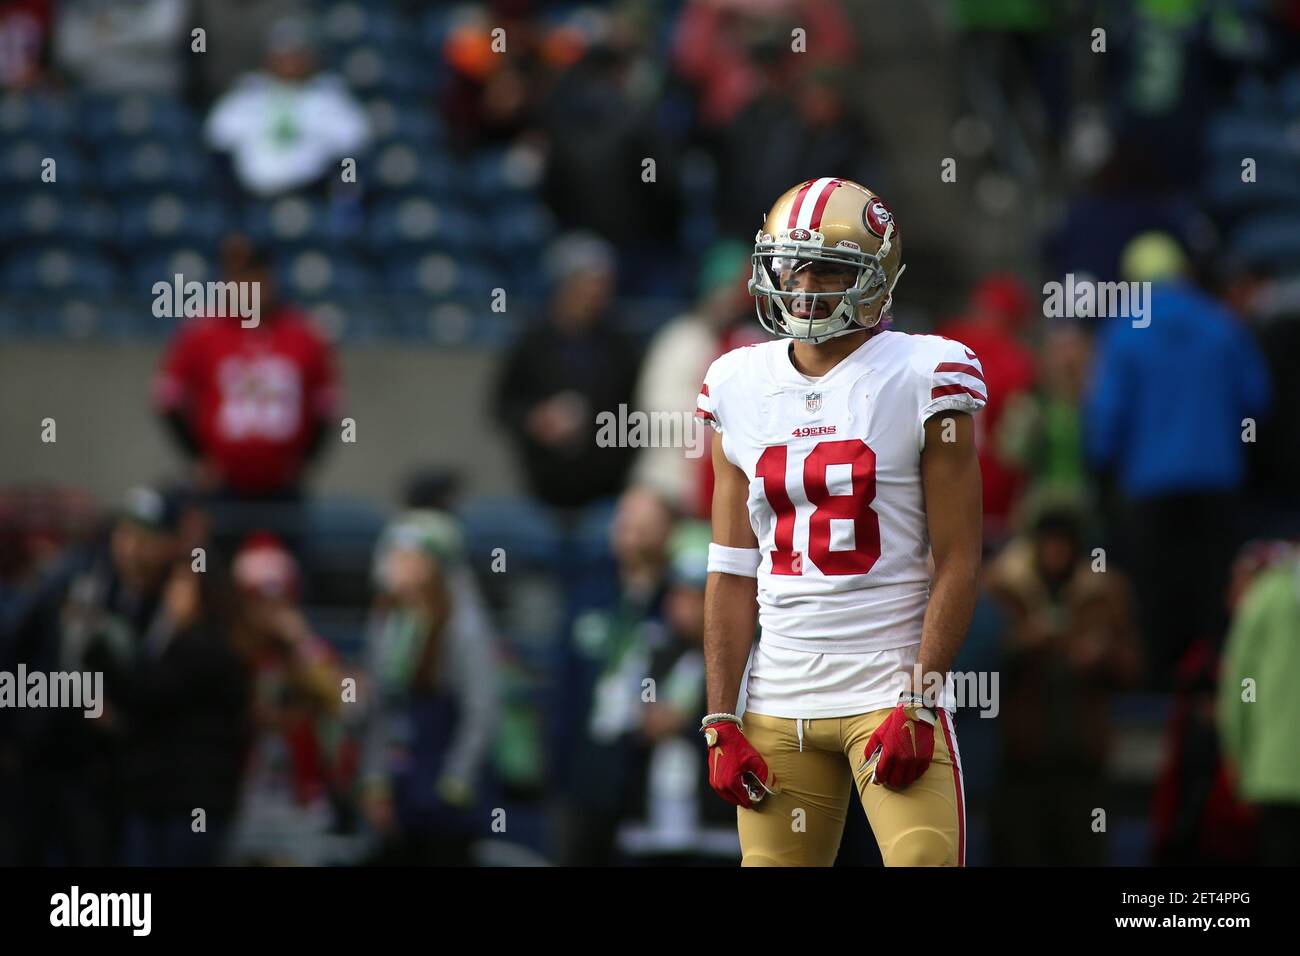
[288, 126]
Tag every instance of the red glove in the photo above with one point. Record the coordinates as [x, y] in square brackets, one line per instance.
[737, 771]
[905, 743]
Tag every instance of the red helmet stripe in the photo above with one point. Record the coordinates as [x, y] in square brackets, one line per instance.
[821, 204]
[798, 203]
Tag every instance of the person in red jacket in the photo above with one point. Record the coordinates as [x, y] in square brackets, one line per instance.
[999, 309]
[251, 405]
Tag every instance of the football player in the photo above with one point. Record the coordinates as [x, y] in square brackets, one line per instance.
[845, 463]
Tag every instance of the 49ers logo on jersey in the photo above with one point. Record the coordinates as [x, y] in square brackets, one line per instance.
[876, 217]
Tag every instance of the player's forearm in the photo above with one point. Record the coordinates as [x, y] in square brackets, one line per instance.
[730, 616]
[953, 592]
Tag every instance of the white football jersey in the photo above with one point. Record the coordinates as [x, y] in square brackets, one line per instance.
[835, 496]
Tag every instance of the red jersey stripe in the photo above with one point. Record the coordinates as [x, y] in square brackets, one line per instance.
[940, 390]
[960, 367]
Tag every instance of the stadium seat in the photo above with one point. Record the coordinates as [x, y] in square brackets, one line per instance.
[168, 218]
[293, 222]
[1248, 134]
[403, 166]
[1269, 239]
[153, 165]
[56, 216]
[402, 120]
[443, 275]
[114, 119]
[36, 114]
[22, 162]
[59, 269]
[520, 525]
[314, 273]
[419, 223]
[194, 263]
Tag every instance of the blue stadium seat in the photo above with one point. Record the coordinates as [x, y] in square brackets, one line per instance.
[36, 114]
[349, 23]
[193, 263]
[153, 165]
[167, 219]
[508, 173]
[417, 223]
[59, 269]
[1246, 134]
[22, 162]
[403, 120]
[47, 214]
[1277, 183]
[1270, 239]
[316, 273]
[370, 69]
[521, 526]
[521, 225]
[443, 275]
[293, 222]
[407, 167]
[114, 119]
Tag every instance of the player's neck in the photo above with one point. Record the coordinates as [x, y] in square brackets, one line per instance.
[815, 360]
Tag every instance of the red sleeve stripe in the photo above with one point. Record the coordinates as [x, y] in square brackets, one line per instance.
[701, 413]
[970, 370]
[941, 390]
[704, 389]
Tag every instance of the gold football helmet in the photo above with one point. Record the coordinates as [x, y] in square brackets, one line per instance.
[825, 261]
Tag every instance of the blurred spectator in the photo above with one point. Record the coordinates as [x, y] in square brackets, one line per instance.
[253, 405]
[124, 785]
[1258, 711]
[1165, 414]
[296, 764]
[1041, 431]
[1128, 195]
[562, 374]
[597, 790]
[1070, 646]
[184, 716]
[236, 39]
[721, 47]
[600, 127]
[679, 355]
[434, 697]
[491, 95]
[24, 42]
[1270, 304]
[790, 132]
[287, 127]
[122, 46]
[1198, 812]
[995, 318]
[675, 818]
[38, 524]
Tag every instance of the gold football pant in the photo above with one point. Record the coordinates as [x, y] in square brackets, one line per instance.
[814, 759]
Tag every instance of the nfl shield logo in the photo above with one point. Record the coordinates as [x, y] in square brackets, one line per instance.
[813, 402]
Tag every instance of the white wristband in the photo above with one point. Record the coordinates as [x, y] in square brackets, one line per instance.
[740, 561]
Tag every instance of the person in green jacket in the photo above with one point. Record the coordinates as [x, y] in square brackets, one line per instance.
[1258, 711]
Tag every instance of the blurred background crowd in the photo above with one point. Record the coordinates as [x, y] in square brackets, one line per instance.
[436, 622]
